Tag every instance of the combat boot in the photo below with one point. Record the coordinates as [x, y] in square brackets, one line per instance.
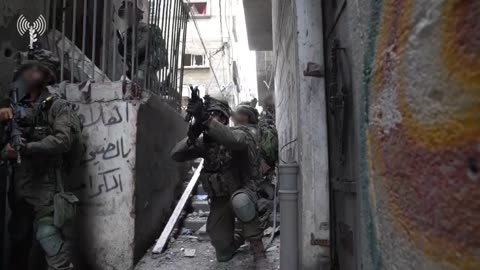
[238, 241]
[260, 259]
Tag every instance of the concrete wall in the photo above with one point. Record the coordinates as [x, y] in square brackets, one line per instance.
[259, 24]
[416, 73]
[105, 182]
[158, 177]
[126, 181]
[264, 75]
[301, 119]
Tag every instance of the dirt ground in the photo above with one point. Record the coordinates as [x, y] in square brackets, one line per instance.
[174, 258]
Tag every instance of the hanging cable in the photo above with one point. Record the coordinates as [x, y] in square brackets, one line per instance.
[280, 44]
[203, 45]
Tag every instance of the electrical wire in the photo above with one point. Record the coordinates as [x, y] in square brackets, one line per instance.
[221, 21]
[226, 22]
[278, 42]
[284, 146]
[203, 44]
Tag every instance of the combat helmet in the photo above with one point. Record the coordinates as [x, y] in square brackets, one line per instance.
[129, 5]
[39, 58]
[247, 108]
[218, 103]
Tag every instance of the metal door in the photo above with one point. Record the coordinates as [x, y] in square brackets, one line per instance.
[343, 209]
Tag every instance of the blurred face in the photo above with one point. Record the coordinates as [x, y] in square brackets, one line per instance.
[33, 77]
[240, 118]
[129, 17]
[220, 117]
[269, 102]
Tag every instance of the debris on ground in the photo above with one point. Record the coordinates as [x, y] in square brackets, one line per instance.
[173, 258]
[189, 252]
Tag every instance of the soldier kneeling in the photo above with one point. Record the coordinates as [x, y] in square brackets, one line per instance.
[230, 174]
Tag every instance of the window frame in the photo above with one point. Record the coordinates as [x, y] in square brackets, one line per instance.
[192, 60]
[208, 8]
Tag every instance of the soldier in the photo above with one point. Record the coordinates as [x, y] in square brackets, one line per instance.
[268, 114]
[157, 55]
[50, 130]
[269, 145]
[230, 176]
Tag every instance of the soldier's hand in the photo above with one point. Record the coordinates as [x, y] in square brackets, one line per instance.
[6, 114]
[9, 153]
[195, 108]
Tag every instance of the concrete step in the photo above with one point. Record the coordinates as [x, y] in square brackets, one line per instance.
[200, 190]
[200, 205]
[194, 223]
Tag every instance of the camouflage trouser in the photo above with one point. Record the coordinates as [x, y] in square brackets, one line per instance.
[31, 223]
[221, 228]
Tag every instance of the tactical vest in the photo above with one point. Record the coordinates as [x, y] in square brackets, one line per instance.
[33, 119]
[227, 171]
[217, 178]
[36, 122]
[249, 171]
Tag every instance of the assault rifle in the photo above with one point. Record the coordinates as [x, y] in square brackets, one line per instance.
[14, 131]
[196, 126]
[195, 98]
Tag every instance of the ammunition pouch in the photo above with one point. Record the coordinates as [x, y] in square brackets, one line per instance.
[64, 208]
[214, 184]
[64, 204]
[39, 133]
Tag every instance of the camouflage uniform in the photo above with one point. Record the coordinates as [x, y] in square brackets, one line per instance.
[51, 128]
[157, 57]
[230, 175]
[267, 117]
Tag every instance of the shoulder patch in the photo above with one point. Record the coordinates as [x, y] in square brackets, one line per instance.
[47, 103]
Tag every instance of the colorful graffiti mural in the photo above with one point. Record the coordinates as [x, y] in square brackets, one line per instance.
[422, 79]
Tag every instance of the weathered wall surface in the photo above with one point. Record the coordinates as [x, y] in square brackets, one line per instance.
[301, 119]
[417, 73]
[106, 180]
[126, 181]
[158, 177]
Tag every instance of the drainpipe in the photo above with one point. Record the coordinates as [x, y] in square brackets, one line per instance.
[288, 196]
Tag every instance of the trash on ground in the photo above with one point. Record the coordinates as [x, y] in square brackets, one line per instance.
[188, 252]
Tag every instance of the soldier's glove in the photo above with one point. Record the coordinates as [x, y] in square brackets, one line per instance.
[12, 152]
[194, 132]
[195, 108]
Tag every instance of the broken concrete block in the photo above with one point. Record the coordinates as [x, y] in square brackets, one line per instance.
[188, 252]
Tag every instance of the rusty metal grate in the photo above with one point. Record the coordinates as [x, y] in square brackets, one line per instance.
[110, 40]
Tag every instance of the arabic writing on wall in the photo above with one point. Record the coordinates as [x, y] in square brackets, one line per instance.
[108, 148]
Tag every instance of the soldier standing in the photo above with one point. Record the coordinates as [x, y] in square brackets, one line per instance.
[40, 206]
[230, 175]
[157, 54]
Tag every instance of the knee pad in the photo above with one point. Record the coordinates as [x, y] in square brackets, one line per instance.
[50, 239]
[243, 206]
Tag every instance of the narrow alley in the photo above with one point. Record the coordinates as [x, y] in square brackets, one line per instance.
[240, 135]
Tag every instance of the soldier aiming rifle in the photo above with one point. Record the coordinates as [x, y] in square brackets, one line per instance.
[230, 175]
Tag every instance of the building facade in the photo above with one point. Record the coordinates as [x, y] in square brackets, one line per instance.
[217, 58]
[378, 102]
[296, 43]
